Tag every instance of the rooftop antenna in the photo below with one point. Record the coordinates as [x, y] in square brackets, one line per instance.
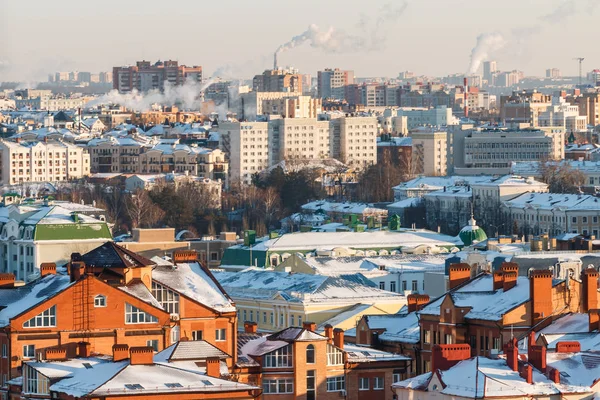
[580, 59]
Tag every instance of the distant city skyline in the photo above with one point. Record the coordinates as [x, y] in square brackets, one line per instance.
[431, 37]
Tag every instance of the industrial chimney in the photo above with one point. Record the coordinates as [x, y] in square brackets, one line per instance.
[466, 107]
[275, 67]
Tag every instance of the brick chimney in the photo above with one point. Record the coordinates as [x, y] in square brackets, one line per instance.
[511, 350]
[84, 349]
[458, 274]
[213, 367]
[250, 327]
[329, 332]
[594, 319]
[527, 373]
[184, 256]
[56, 353]
[554, 375]
[7, 280]
[509, 266]
[338, 338]
[568, 347]
[141, 355]
[498, 280]
[509, 281]
[537, 357]
[540, 293]
[589, 281]
[445, 356]
[415, 302]
[47, 269]
[76, 269]
[309, 326]
[120, 352]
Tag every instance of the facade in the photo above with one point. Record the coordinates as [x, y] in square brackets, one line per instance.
[331, 83]
[553, 73]
[564, 115]
[54, 161]
[36, 233]
[277, 80]
[112, 154]
[429, 152]
[298, 138]
[354, 141]
[293, 107]
[247, 144]
[297, 363]
[145, 76]
[523, 107]
[250, 104]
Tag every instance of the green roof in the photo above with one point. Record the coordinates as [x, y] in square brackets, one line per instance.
[472, 233]
[241, 256]
[72, 231]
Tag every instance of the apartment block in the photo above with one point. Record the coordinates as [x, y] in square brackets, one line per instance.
[292, 107]
[429, 152]
[247, 144]
[331, 83]
[277, 80]
[524, 106]
[298, 138]
[54, 161]
[354, 140]
[563, 115]
[145, 76]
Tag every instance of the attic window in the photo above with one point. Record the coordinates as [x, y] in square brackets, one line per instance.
[173, 385]
[207, 383]
[100, 301]
[87, 365]
[134, 386]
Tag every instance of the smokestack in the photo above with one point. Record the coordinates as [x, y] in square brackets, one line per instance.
[275, 67]
[466, 108]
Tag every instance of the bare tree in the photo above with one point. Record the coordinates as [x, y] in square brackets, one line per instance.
[142, 211]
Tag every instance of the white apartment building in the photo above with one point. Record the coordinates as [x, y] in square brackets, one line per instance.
[41, 162]
[331, 83]
[430, 152]
[416, 117]
[564, 115]
[298, 138]
[247, 144]
[354, 140]
[554, 213]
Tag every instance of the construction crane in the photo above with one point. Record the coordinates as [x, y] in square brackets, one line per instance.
[580, 59]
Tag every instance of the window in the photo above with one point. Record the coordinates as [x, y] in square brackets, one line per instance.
[153, 344]
[34, 382]
[426, 336]
[99, 301]
[29, 351]
[46, 318]
[279, 358]
[214, 256]
[4, 350]
[378, 383]
[264, 317]
[271, 386]
[392, 286]
[481, 343]
[382, 285]
[574, 219]
[414, 286]
[311, 386]
[334, 355]
[395, 377]
[363, 384]
[168, 299]
[272, 319]
[220, 335]
[448, 339]
[584, 220]
[134, 315]
[196, 335]
[496, 343]
[336, 384]
[404, 286]
[310, 354]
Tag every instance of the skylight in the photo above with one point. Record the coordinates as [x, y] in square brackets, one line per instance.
[87, 365]
[207, 383]
[133, 386]
[173, 385]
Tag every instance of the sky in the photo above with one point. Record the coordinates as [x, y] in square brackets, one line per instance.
[238, 37]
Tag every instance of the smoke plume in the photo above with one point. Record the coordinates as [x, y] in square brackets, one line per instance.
[487, 44]
[186, 95]
[333, 40]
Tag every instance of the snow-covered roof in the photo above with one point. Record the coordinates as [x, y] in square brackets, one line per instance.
[554, 201]
[258, 283]
[405, 203]
[334, 266]
[398, 327]
[20, 299]
[344, 208]
[192, 281]
[190, 350]
[294, 165]
[358, 354]
[438, 182]
[580, 369]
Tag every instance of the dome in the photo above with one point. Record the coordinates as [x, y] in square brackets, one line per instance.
[471, 233]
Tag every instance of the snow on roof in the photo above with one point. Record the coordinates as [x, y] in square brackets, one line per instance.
[358, 354]
[438, 182]
[20, 299]
[259, 283]
[58, 215]
[192, 281]
[294, 165]
[295, 334]
[580, 369]
[409, 202]
[398, 327]
[351, 313]
[261, 346]
[79, 379]
[589, 341]
[395, 141]
[138, 289]
[62, 369]
[553, 201]
[189, 350]
[484, 303]
[346, 208]
[360, 240]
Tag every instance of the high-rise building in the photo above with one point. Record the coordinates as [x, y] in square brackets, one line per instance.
[489, 68]
[553, 73]
[430, 152]
[332, 82]
[145, 76]
[278, 80]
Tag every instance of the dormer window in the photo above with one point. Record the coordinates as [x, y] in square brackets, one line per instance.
[100, 301]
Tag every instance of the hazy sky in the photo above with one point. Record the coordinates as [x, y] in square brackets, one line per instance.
[429, 37]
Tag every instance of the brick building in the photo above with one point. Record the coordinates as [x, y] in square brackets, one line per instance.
[112, 296]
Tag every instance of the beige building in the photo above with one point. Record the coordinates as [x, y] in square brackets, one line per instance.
[277, 80]
[41, 162]
[247, 144]
[298, 138]
[113, 154]
[354, 140]
[563, 115]
[293, 107]
[429, 152]
[250, 104]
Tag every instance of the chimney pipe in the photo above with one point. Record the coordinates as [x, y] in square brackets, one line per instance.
[275, 66]
[338, 338]
[466, 108]
[213, 367]
[329, 332]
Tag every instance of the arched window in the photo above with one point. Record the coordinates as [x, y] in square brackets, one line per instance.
[310, 354]
[100, 301]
